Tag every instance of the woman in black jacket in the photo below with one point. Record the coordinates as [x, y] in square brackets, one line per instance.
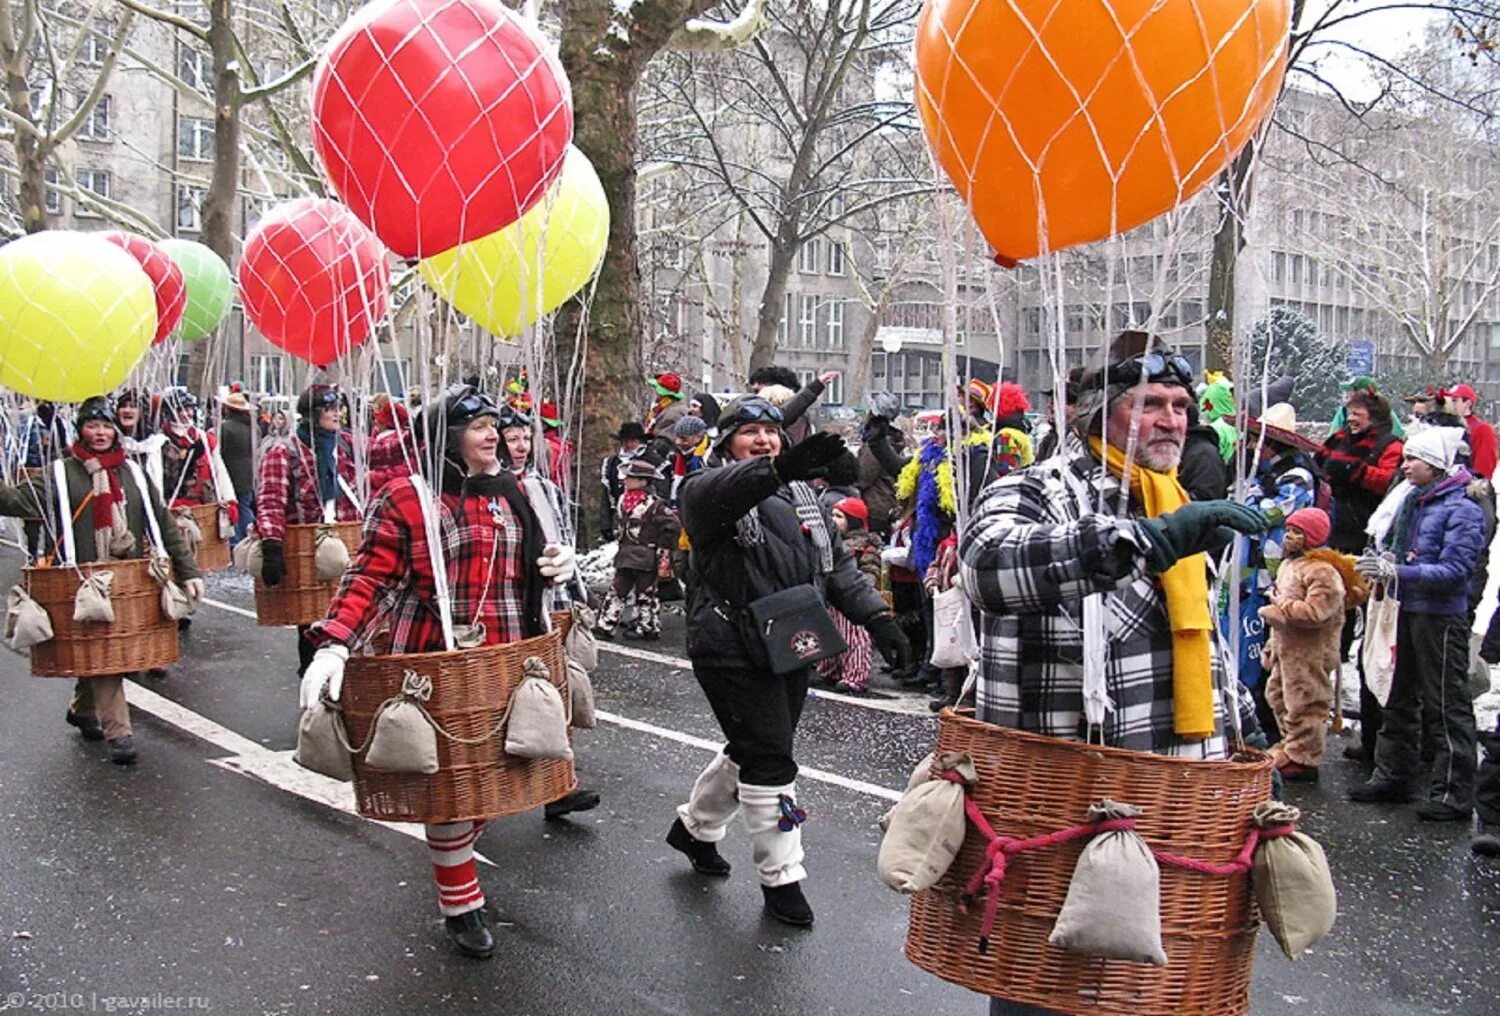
[756, 528]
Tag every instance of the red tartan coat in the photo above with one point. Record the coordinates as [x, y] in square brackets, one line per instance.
[277, 505]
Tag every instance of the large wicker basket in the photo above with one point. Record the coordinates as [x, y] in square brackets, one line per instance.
[213, 549]
[301, 598]
[470, 690]
[141, 636]
[1030, 785]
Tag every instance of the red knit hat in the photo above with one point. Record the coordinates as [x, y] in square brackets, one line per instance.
[1314, 525]
[854, 508]
[550, 415]
[668, 384]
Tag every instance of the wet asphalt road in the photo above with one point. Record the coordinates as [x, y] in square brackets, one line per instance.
[183, 881]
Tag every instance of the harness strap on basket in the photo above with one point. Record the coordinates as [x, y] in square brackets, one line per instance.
[151, 523]
[66, 555]
[433, 527]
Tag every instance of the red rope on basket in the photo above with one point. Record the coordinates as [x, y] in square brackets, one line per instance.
[1000, 849]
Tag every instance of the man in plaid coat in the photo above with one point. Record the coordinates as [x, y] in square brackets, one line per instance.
[1044, 539]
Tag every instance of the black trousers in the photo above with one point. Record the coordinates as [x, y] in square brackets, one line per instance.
[305, 649]
[1429, 710]
[1487, 782]
[758, 712]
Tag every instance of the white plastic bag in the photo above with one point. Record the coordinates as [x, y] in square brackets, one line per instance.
[1378, 654]
[954, 643]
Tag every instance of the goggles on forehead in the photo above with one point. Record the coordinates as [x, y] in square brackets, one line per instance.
[1152, 366]
[757, 412]
[324, 398]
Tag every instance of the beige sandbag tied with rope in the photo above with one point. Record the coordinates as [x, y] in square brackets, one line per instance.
[1113, 906]
[175, 602]
[92, 602]
[921, 773]
[580, 645]
[226, 528]
[192, 533]
[27, 622]
[403, 739]
[926, 828]
[536, 723]
[323, 742]
[581, 696]
[248, 556]
[1292, 884]
[330, 554]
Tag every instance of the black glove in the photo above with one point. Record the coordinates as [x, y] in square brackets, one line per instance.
[885, 631]
[876, 427]
[1194, 528]
[273, 562]
[800, 460]
[1340, 472]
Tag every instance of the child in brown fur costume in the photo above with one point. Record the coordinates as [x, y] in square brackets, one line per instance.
[1314, 587]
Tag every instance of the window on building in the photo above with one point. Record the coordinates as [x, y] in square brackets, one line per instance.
[195, 139]
[265, 373]
[807, 321]
[833, 395]
[1278, 266]
[877, 362]
[1031, 320]
[95, 180]
[190, 207]
[196, 69]
[836, 324]
[807, 257]
[96, 43]
[396, 373]
[784, 326]
[836, 257]
[52, 197]
[96, 124]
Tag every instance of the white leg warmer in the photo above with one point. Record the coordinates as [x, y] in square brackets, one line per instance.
[713, 803]
[777, 851]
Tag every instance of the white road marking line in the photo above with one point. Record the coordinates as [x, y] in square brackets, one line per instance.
[229, 607]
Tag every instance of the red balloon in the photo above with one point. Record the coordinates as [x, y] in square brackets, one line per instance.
[166, 279]
[440, 121]
[313, 279]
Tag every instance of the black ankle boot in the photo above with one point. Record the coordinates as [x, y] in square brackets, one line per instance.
[705, 856]
[88, 726]
[787, 904]
[469, 934]
[578, 800]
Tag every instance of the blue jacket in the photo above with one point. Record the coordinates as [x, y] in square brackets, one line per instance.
[1447, 537]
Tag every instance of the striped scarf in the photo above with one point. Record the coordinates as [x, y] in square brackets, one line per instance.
[112, 537]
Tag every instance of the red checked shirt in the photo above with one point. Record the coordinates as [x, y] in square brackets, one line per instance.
[277, 505]
[391, 577]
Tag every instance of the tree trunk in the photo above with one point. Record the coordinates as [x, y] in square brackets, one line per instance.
[31, 157]
[223, 188]
[1229, 240]
[773, 298]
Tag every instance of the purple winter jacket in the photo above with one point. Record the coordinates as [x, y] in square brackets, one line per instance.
[1447, 536]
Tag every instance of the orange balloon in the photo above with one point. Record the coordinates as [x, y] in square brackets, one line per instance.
[1066, 121]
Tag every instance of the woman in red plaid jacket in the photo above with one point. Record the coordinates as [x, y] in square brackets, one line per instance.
[303, 479]
[499, 565]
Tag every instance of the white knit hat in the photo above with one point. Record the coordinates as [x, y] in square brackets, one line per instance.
[1437, 446]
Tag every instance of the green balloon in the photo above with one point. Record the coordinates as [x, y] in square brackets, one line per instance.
[210, 287]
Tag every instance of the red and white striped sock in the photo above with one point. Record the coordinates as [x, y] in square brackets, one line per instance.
[451, 848]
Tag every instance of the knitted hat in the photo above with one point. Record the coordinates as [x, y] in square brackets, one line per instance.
[854, 508]
[1314, 524]
[100, 407]
[690, 426]
[669, 385]
[1436, 446]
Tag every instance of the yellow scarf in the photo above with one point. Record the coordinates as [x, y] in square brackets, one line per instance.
[1186, 587]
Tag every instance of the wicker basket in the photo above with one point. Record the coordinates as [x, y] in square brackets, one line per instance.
[470, 690]
[213, 549]
[140, 638]
[1030, 785]
[302, 598]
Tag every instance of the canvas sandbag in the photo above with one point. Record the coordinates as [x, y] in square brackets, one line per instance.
[403, 739]
[330, 554]
[175, 602]
[1292, 884]
[322, 744]
[248, 556]
[26, 621]
[580, 645]
[536, 721]
[1113, 906]
[92, 602]
[926, 829]
[921, 773]
[226, 528]
[192, 533]
[581, 696]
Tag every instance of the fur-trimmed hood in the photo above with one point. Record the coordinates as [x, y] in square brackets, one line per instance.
[1356, 589]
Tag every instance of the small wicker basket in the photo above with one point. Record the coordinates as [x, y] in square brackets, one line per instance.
[1031, 785]
[470, 690]
[213, 549]
[140, 637]
[302, 597]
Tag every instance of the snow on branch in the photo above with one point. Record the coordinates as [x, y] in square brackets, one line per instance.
[702, 35]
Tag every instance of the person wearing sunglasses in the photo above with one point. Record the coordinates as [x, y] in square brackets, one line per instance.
[305, 478]
[758, 535]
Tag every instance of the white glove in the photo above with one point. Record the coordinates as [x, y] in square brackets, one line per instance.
[194, 590]
[1381, 568]
[326, 668]
[558, 563]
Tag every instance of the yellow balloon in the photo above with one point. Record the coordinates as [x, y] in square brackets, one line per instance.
[76, 314]
[508, 279]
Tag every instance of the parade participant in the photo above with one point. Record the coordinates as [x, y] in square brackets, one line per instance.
[305, 478]
[559, 448]
[705, 407]
[1484, 452]
[190, 470]
[798, 400]
[1436, 532]
[41, 438]
[499, 565]
[632, 443]
[690, 451]
[237, 443]
[108, 523]
[393, 452]
[1216, 404]
[880, 461]
[1051, 440]
[664, 413]
[1203, 472]
[1314, 587]
[647, 527]
[756, 530]
[850, 670]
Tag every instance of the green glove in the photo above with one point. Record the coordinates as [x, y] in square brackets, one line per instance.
[1193, 529]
